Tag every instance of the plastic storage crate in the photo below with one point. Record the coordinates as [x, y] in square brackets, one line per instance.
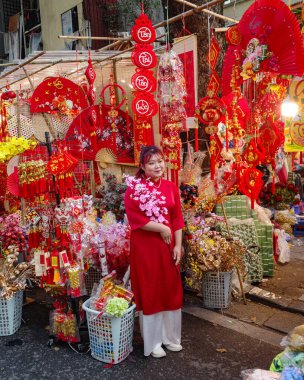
[217, 290]
[11, 314]
[110, 338]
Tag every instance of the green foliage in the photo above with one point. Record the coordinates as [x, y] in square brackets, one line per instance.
[132, 8]
[111, 197]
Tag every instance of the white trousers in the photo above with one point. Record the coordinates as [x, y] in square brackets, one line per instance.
[160, 328]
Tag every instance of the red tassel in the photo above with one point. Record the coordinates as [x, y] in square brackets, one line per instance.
[58, 231]
[42, 183]
[196, 139]
[227, 142]
[212, 166]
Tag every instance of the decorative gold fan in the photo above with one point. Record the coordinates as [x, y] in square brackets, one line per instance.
[105, 156]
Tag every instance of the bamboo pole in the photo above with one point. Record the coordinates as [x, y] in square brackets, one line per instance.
[8, 64]
[222, 17]
[22, 64]
[35, 72]
[104, 59]
[98, 38]
[237, 268]
[219, 30]
[91, 38]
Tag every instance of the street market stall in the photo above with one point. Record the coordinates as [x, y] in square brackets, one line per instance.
[72, 126]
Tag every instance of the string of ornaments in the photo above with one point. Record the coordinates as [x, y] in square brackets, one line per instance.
[144, 105]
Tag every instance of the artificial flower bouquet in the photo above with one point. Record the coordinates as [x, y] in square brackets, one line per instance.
[111, 297]
[13, 146]
[282, 196]
[208, 251]
[13, 276]
[116, 238]
[12, 233]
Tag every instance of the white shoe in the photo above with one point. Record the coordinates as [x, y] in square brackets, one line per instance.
[158, 353]
[173, 347]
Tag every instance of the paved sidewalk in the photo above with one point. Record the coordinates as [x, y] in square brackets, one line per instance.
[210, 352]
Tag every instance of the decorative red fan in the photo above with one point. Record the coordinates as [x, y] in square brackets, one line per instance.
[12, 183]
[84, 141]
[276, 27]
[57, 94]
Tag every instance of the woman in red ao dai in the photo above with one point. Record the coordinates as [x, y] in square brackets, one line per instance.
[154, 212]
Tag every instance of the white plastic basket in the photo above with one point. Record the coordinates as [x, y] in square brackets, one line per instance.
[110, 338]
[217, 290]
[10, 314]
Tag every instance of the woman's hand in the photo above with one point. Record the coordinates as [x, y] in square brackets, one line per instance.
[166, 234]
[177, 254]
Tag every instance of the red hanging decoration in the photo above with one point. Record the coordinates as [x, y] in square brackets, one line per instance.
[215, 148]
[252, 155]
[270, 138]
[210, 111]
[143, 80]
[144, 105]
[143, 32]
[250, 184]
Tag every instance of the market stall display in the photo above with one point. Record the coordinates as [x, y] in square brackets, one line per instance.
[66, 144]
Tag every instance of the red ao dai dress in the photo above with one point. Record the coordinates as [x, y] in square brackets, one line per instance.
[155, 278]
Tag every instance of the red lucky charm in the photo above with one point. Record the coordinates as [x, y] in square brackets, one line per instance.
[233, 35]
[144, 105]
[251, 183]
[143, 32]
[252, 155]
[144, 57]
[90, 72]
[270, 138]
[210, 110]
[215, 149]
[143, 80]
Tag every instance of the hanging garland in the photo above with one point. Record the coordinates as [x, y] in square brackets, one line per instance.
[144, 105]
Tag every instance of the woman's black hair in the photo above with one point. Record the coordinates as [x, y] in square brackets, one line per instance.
[146, 152]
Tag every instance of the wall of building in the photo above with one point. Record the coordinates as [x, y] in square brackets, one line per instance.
[50, 13]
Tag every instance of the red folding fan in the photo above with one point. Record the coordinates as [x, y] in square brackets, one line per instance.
[57, 94]
[12, 183]
[275, 26]
[110, 132]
